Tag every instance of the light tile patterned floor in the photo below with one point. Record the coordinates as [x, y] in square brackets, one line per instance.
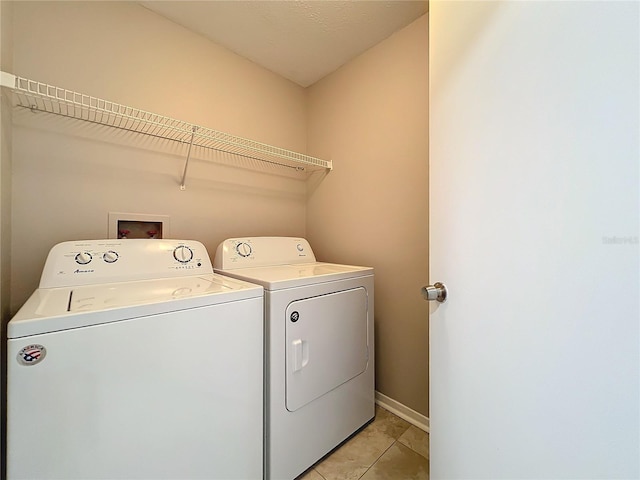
[389, 448]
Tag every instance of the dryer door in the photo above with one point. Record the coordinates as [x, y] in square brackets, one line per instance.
[326, 344]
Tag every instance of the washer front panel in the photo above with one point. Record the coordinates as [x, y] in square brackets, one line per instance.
[167, 396]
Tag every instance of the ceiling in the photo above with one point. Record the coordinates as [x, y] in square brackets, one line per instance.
[302, 40]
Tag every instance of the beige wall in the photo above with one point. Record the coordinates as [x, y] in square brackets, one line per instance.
[68, 176]
[6, 126]
[371, 118]
[6, 64]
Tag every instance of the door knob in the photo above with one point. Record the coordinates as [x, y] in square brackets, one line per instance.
[437, 291]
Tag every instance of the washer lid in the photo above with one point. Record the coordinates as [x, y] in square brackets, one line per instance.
[55, 309]
[288, 276]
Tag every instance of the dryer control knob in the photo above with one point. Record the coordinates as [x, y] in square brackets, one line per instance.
[243, 249]
[183, 254]
[83, 258]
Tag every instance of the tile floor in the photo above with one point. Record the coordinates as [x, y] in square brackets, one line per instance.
[389, 448]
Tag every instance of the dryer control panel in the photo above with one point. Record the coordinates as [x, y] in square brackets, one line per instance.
[262, 252]
[107, 261]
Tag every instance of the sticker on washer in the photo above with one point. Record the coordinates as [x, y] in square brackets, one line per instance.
[295, 316]
[31, 354]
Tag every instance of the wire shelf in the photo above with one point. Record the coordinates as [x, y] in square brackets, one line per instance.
[39, 96]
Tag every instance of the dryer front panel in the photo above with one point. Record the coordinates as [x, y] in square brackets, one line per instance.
[326, 344]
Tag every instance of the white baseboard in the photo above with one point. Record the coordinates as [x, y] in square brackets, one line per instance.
[403, 411]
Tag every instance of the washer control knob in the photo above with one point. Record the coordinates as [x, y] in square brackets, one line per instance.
[83, 258]
[243, 249]
[110, 256]
[183, 254]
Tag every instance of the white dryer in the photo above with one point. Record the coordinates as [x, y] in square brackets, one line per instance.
[319, 364]
[133, 360]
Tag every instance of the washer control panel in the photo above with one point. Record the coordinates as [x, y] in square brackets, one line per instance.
[262, 251]
[105, 261]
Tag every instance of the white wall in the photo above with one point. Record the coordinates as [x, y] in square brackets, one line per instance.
[6, 127]
[68, 176]
[535, 218]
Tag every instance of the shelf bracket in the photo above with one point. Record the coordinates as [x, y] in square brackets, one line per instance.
[186, 163]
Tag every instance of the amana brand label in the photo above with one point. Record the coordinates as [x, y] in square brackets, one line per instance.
[31, 354]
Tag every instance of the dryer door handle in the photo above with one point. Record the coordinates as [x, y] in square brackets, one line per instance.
[300, 354]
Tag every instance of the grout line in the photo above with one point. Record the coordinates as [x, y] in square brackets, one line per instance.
[377, 459]
[413, 449]
[395, 441]
[319, 474]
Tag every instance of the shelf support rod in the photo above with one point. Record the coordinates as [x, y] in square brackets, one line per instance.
[186, 163]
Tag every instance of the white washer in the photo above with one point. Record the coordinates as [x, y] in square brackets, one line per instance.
[319, 347]
[133, 360]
